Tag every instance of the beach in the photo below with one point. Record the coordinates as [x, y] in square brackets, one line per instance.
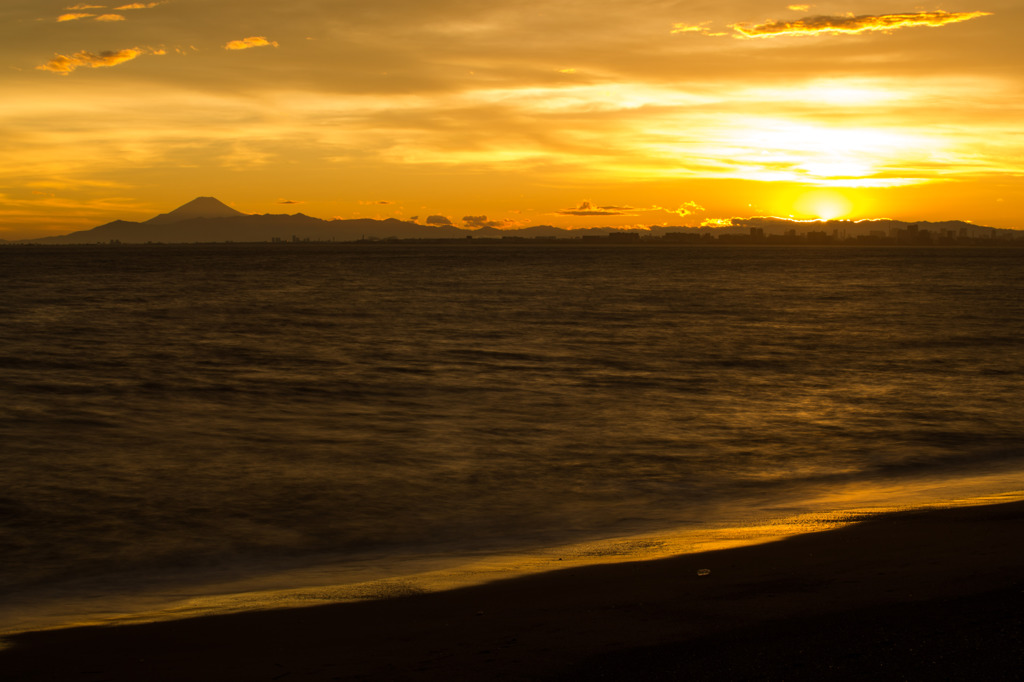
[916, 594]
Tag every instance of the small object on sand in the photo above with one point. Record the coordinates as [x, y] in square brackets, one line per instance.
[704, 571]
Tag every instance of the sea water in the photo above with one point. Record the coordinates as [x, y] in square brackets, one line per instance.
[186, 421]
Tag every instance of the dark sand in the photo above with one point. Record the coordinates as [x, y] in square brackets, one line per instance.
[917, 595]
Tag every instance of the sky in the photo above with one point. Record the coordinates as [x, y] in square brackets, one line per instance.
[512, 113]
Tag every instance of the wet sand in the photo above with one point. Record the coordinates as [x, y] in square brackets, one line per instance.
[916, 595]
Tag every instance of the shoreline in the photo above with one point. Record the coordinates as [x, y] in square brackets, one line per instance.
[365, 580]
[931, 583]
[374, 577]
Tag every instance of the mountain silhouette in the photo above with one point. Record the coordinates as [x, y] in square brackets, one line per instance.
[208, 220]
[200, 207]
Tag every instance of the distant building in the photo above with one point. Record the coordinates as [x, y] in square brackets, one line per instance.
[685, 237]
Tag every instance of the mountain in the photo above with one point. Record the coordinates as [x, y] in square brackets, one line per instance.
[200, 207]
[206, 219]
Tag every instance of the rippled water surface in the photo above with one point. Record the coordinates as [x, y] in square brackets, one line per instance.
[175, 410]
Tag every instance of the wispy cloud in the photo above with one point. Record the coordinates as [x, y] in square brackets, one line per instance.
[689, 208]
[82, 212]
[586, 208]
[138, 5]
[250, 42]
[438, 220]
[703, 28]
[76, 16]
[850, 24]
[479, 221]
[83, 6]
[65, 64]
[690, 28]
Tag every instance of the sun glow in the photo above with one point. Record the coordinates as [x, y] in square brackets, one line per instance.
[835, 155]
[824, 204]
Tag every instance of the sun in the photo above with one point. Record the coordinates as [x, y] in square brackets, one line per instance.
[823, 204]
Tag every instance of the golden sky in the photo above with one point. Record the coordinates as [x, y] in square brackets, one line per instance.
[511, 112]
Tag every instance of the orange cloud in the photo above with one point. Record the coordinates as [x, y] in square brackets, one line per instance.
[718, 222]
[476, 222]
[83, 6]
[852, 24]
[138, 5]
[686, 209]
[690, 28]
[74, 16]
[703, 28]
[110, 17]
[64, 64]
[247, 43]
[586, 208]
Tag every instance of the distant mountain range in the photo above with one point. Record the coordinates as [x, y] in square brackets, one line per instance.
[205, 219]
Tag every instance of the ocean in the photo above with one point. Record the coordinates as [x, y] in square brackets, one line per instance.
[197, 428]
